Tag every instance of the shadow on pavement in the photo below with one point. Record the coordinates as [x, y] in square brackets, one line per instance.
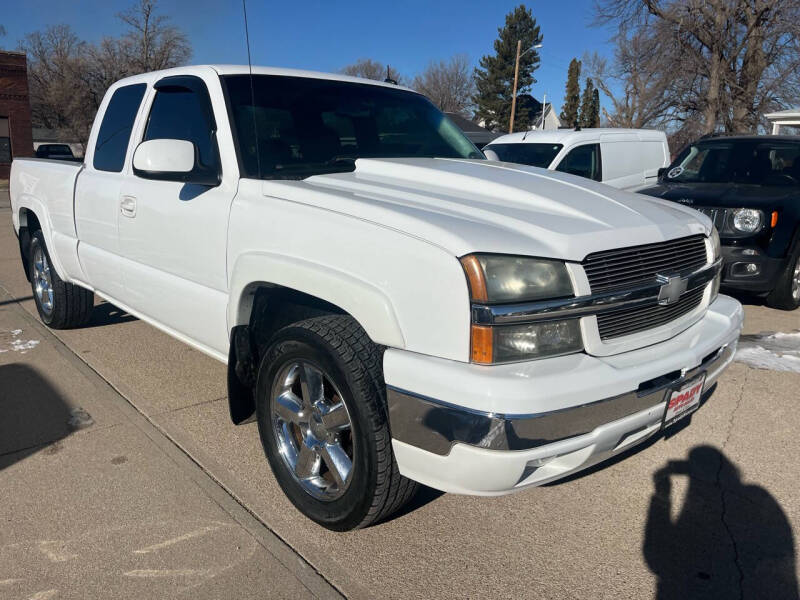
[33, 415]
[106, 313]
[15, 300]
[727, 540]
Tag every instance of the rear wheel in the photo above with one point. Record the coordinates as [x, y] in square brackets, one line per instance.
[323, 423]
[61, 305]
[786, 294]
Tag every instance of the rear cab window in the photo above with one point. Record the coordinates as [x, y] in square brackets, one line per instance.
[115, 130]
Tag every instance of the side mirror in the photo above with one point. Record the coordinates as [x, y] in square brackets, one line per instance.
[171, 160]
[490, 154]
[661, 172]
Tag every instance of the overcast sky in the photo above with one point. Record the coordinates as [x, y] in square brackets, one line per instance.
[325, 36]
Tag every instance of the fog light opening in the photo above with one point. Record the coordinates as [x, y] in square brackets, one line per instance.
[745, 269]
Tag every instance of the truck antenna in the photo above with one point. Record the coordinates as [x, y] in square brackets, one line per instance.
[252, 88]
[389, 77]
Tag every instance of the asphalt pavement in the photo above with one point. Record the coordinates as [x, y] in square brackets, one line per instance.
[711, 511]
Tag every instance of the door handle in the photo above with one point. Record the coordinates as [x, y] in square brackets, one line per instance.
[127, 206]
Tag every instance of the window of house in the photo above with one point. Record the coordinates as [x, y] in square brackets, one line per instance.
[5, 141]
[115, 130]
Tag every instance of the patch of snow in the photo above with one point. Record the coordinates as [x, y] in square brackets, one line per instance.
[774, 351]
[10, 341]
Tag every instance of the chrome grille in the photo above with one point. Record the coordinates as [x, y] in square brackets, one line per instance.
[628, 321]
[628, 267]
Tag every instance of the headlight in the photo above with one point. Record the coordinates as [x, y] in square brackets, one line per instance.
[535, 340]
[747, 220]
[716, 246]
[496, 278]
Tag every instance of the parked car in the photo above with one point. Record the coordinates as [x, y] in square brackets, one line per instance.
[392, 307]
[750, 187]
[628, 159]
[54, 151]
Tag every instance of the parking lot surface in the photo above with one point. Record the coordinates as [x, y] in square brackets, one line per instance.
[711, 511]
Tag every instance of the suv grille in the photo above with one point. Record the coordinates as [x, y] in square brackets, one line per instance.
[625, 322]
[629, 267]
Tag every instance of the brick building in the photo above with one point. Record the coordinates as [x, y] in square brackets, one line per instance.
[15, 110]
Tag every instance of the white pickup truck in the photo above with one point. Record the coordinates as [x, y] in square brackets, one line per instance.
[392, 307]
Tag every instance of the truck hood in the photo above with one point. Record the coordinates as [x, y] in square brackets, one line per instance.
[468, 206]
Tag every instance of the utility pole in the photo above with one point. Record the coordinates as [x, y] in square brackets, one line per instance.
[516, 77]
[514, 95]
[544, 108]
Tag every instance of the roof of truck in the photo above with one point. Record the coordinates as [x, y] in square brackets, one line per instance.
[245, 70]
[567, 136]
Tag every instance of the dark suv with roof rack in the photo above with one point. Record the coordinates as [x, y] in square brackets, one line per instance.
[750, 188]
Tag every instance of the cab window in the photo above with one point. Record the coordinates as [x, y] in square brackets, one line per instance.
[583, 161]
[180, 113]
[115, 130]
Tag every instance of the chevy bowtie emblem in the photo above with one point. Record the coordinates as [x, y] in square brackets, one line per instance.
[672, 288]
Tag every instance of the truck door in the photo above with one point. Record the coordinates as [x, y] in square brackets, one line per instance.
[97, 191]
[173, 235]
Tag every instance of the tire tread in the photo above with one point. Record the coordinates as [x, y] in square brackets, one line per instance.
[73, 304]
[364, 359]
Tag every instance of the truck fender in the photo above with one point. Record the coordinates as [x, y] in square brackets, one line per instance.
[34, 205]
[365, 302]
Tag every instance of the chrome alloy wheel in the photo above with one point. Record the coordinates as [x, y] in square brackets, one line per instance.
[313, 429]
[42, 283]
[796, 281]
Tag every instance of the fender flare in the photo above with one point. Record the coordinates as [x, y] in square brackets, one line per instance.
[34, 205]
[365, 302]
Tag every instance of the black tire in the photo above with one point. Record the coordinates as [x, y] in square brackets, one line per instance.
[71, 304]
[353, 364]
[785, 295]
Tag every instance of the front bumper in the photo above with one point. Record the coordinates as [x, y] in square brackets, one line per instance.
[735, 274]
[493, 430]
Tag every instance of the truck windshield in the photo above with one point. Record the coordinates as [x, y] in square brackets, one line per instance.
[298, 127]
[535, 155]
[745, 161]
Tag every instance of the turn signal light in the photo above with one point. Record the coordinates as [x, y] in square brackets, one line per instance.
[475, 278]
[774, 220]
[482, 344]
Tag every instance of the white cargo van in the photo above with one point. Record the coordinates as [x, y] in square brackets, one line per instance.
[628, 159]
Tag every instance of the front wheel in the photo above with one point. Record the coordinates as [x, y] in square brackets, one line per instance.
[786, 294]
[61, 305]
[323, 423]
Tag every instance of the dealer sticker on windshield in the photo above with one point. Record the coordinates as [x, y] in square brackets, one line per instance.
[684, 401]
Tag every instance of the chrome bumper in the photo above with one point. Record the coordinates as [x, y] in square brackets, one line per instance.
[435, 426]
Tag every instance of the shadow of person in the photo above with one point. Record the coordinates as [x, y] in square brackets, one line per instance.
[730, 540]
[33, 414]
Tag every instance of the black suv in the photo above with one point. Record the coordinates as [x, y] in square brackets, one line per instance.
[750, 188]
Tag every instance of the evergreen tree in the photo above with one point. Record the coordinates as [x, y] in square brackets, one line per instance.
[494, 78]
[595, 108]
[572, 97]
[588, 117]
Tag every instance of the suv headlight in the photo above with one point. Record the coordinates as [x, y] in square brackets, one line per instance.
[498, 279]
[747, 220]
